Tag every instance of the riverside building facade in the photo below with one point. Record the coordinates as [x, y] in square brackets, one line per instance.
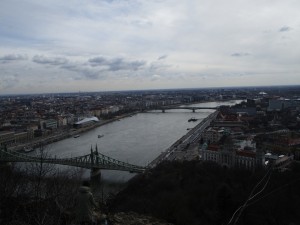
[233, 158]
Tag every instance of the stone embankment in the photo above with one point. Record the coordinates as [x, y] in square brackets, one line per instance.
[176, 150]
[132, 218]
[58, 136]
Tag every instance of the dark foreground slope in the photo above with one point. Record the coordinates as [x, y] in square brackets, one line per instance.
[189, 193]
[45, 196]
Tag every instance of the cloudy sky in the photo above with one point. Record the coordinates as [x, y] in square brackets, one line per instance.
[98, 45]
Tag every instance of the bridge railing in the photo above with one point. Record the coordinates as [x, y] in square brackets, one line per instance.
[93, 160]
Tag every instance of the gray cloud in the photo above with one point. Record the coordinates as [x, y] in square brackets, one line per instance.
[142, 23]
[8, 82]
[96, 68]
[116, 64]
[55, 61]
[98, 61]
[149, 30]
[155, 77]
[70, 66]
[90, 74]
[157, 66]
[284, 29]
[84, 71]
[162, 57]
[13, 57]
[240, 54]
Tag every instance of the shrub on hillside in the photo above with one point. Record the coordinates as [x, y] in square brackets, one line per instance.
[205, 193]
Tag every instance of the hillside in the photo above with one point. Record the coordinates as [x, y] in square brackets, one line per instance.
[192, 193]
[179, 193]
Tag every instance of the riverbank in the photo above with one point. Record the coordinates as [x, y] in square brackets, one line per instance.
[61, 135]
[67, 133]
[177, 150]
[101, 123]
[159, 135]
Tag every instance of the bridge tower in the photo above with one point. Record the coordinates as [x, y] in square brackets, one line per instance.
[95, 175]
[4, 164]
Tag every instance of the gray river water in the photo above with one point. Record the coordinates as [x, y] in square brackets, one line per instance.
[137, 140]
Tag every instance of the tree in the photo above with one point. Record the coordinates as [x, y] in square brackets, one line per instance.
[37, 193]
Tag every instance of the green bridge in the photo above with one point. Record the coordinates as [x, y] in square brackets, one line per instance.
[93, 161]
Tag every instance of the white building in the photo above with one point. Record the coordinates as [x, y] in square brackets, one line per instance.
[232, 157]
[212, 135]
[86, 122]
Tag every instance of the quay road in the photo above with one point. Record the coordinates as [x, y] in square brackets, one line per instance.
[180, 148]
[63, 134]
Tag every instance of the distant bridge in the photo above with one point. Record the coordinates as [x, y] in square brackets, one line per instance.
[193, 108]
[94, 160]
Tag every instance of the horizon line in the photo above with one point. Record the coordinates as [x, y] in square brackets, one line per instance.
[159, 89]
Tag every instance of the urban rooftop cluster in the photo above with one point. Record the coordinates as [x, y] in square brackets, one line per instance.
[255, 133]
[31, 119]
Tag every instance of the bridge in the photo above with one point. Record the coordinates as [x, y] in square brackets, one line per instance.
[93, 161]
[193, 108]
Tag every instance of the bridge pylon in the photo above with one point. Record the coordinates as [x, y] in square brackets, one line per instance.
[94, 160]
[95, 176]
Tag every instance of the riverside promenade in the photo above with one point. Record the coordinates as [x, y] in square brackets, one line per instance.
[179, 148]
[63, 134]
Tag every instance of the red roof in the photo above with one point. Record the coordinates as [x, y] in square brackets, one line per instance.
[213, 147]
[246, 153]
[293, 142]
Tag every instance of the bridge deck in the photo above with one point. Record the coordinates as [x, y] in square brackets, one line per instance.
[186, 107]
[95, 160]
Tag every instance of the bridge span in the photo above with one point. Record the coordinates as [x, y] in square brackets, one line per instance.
[93, 161]
[193, 108]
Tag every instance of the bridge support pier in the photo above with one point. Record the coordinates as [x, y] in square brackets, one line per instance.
[95, 176]
[6, 165]
[193, 110]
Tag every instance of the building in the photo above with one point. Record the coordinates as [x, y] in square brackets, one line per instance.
[11, 138]
[7, 138]
[50, 124]
[250, 111]
[244, 156]
[280, 104]
[21, 137]
[86, 122]
[212, 135]
[62, 121]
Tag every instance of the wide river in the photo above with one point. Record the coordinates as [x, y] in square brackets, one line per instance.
[137, 140]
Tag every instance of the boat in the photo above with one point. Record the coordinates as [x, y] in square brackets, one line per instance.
[76, 136]
[28, 149]
[193, 119]
[100, 135]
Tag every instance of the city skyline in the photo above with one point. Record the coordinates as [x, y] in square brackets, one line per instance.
[54, 46]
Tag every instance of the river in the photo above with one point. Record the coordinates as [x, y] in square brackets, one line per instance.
[137, 140]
